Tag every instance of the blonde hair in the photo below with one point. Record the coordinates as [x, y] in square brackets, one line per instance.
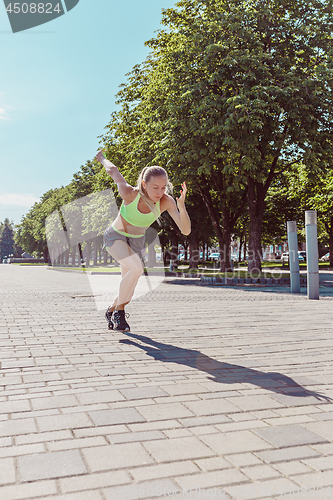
[146, 174]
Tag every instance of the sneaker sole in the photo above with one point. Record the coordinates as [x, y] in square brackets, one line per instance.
[110, 322]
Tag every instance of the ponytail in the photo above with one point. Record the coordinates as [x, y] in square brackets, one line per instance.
[140, 179]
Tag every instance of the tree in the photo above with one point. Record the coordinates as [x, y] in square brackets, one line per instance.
[138, 135]
[314, 191]
[322, 201]
[6, 240]
[282, 204]
[31, 233]
[244, 87]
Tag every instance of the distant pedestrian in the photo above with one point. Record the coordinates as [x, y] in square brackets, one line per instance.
[125, 238]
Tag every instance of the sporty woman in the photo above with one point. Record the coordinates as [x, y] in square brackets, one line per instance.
[125, 238]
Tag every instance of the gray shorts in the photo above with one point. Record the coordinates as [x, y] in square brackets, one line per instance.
[136, 244]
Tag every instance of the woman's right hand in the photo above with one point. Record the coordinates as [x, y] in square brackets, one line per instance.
[99, 157]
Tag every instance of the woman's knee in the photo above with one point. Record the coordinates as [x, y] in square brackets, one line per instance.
[137, 270]
[134, 265]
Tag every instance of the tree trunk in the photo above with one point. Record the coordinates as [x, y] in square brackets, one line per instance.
[163, 252]
[88, 252]
[255, 242]
[67, 256]
[174, 249]
[330, 235]
[229, 219]
[223, 237]
[95, 252]
[225, 242]
[256, 200]
[240, 248]
[46, 256]
[73, 255]
[194, 249]
[80, 258]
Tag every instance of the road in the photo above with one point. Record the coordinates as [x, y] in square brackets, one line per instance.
[218, 392]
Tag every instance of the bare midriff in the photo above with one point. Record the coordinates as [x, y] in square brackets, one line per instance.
[122, 225]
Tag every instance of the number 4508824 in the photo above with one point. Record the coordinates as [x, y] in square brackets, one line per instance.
[33, 8]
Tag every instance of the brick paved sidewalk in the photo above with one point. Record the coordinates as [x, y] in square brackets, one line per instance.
[216, 393]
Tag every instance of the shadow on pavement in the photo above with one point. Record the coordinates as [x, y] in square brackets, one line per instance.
[220, 371]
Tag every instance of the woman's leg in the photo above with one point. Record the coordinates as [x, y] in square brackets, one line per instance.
[131, 270]
[124, 270]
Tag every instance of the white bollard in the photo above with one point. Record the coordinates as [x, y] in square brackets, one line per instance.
[295, 285]
[312, 254]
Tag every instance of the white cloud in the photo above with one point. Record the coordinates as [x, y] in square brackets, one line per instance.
[3, 114]
[18, 200]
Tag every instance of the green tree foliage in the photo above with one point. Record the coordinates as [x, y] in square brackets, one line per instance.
[7, 246]
[31, 235]
[243, 88]
[290, 195]
[31, 232]
[230, 98]
[138, 135]
[314, 191]
[282, 204]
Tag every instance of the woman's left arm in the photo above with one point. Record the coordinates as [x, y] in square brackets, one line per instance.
[180, 215]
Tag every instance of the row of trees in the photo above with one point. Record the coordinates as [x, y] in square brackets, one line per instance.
[236, 99]
[31, 233]
[68, 214]
[287, 199]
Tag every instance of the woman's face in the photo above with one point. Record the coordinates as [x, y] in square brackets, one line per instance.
[155, 187]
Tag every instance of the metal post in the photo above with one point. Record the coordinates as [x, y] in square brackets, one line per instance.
[293, 257]
[172, 265]
[312, 254]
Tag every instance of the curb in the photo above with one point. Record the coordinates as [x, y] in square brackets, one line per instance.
[108, 273]
[204, 279]
[249, 281]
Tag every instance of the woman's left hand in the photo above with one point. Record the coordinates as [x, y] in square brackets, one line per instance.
[181, 199]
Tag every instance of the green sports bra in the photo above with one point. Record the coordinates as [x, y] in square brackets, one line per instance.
[132, 215]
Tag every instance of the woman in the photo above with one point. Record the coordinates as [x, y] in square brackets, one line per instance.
[125, 238]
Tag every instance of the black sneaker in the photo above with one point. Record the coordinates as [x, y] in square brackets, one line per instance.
[119, 322]
[108, 317]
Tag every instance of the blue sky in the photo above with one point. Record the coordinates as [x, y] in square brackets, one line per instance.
[57, 91]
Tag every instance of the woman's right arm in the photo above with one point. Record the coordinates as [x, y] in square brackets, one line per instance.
[123, 188]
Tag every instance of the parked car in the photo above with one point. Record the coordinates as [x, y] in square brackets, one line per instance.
[181, 256]
[285, 257]
[214, 256]
[325, 258]
[302, 253]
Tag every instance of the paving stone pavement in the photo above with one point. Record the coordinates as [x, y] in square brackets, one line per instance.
[217, 392]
